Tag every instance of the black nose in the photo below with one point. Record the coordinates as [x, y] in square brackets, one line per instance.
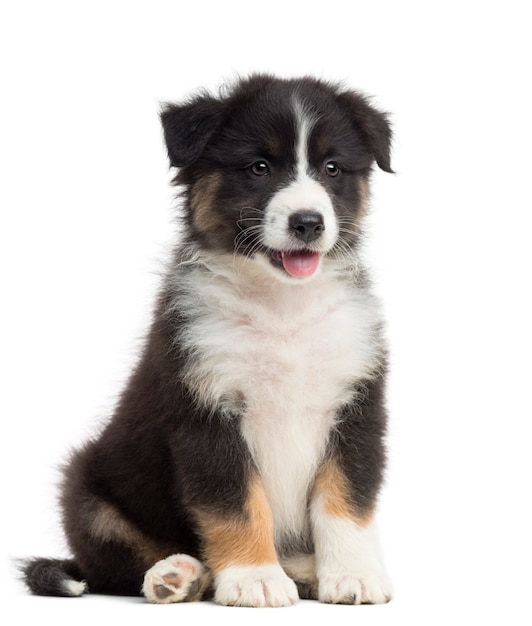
[306, 225]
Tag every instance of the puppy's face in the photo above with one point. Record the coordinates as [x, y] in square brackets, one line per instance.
[277, 171]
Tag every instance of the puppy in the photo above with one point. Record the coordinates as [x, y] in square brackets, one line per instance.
[245, 455]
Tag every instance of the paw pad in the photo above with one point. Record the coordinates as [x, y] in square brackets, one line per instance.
[179, 578]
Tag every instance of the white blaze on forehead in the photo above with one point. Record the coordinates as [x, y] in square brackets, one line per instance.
[305, 122]
[303, 193]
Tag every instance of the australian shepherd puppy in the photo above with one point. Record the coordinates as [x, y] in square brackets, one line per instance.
[244, 458]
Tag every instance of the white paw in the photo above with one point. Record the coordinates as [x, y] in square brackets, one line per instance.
[363, 588]
[178, 578]
[264, 585]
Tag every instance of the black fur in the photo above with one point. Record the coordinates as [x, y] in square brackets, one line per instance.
[362, 427]
[163, 453]
[47, 577]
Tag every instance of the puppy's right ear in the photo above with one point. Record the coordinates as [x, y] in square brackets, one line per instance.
[188, 127]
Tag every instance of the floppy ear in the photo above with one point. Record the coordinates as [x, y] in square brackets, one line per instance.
[374, 126]
[188, 127]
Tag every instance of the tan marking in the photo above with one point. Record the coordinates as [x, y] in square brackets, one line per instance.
[364, 195]
[202, 196]
[354, 224]
[108, 524]
[332, 485]
[242, 540]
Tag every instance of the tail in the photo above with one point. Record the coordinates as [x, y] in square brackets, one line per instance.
[53, 577]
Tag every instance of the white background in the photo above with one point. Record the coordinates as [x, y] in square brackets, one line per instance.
[86, 219]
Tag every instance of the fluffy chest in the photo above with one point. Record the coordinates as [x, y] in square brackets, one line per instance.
[284, 362]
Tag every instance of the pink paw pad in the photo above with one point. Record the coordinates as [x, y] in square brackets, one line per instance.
[179, 578]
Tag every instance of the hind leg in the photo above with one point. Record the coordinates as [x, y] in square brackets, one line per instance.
[301, 568]
[112, 554]
[178, 578]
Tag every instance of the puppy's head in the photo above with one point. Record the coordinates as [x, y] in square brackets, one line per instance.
[277, 170]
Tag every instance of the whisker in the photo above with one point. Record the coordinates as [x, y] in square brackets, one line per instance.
[248, 240]
[245, 234]
[246, 213]
[246, 252]
[343, 252]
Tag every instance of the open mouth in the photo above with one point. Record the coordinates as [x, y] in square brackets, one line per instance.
[299, 263]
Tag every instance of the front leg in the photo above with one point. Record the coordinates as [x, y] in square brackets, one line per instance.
[349, 564]
[233, 518]
[239, 550]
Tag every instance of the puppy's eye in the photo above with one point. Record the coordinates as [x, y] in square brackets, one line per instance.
[260, 168]
[332, 169]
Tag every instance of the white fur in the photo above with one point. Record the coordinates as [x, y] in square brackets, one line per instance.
[291, 352]
[74, 588]
[304, 193]
[349, 564]
[259, 586]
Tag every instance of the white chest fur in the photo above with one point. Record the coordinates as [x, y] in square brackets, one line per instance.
[291, 353]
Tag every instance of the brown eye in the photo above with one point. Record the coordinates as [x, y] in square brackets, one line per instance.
[332, 169]
[260, 168]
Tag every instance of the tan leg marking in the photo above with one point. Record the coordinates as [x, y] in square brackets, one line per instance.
[243, 540]
[349, 564]
[331, 484]
[108, 524]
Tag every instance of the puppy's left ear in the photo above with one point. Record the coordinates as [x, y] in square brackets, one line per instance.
[188, 127]
[374, 126]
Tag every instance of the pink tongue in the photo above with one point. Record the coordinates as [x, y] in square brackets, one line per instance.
[301, 264]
